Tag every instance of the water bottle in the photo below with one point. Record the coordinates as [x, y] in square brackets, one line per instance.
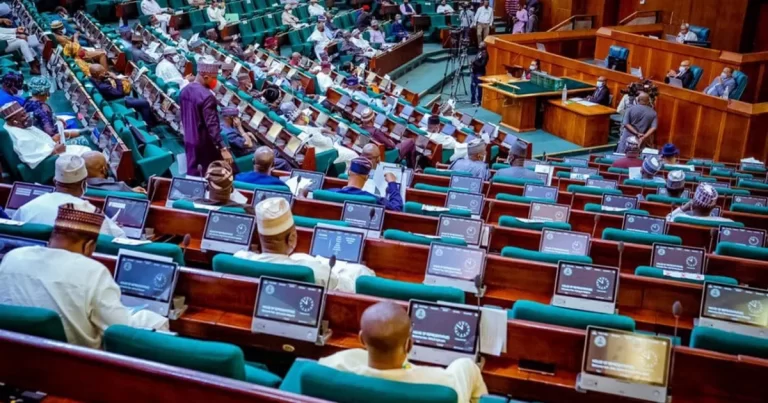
[565, 94]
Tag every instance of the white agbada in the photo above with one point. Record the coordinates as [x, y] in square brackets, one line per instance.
[462, 375]
[151, 7]
[33, 145]
[316, 10]
[365, 46]
[678, 212]
[216, 14]
[320, 40]
[343, 277]
[449, 143]
[321, 143]
[80, 289]
[324, 81]
[44, 209]
[169, 73]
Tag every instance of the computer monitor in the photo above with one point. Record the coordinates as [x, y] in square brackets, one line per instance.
[321, 120]
[358, 112]
[227, 232]
[663, 192]
[22, 193]
[644, 223]
[466, 119]
[584, 171]
[421, 143]
[344, 243]
[443, 332]
[543, 176]
[576, 162]
[619, 202]
[735, 309]
[398, 131]
[316, 178]
[541, 192]
[369, 217]
[343, 101]
[287, 308]
[406, 112]
[602, 183]
[130, 214]
[468, 201]
[532, 163]
[759, 201]
[626, 364]
[509, 141]
[488, 129]
[293, 146]
[722, 185]
[675, 258]
[448, 129]
[586, 287]
[564, 242]
[146, 280]
[380, 120]
[9, 243]
[262, 194]
[468, 229]
[469, 184]
[715, 212]
[455, 266]
[744, 236]
[548, 212]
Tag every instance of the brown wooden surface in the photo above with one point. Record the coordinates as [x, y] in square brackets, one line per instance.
[395, 57]
[579, 124]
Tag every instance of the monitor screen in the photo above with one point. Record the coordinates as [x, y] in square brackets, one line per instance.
[584, 171]
[145, 278]
[22, 193]
[463, 200]
[343, 102]
[751, 200]
[678, 258]
[359, 110]
[380, 119]
[229, 227]
[362, 215]
[131, 213]
[293, 146]
[601, 183]
[317, 178]
[260, 195]
[627, 356]
[467, 229]
[9, 243]
[532, 163]
[489, 129]
[182, 188]
[744, 236]
[587, 281]
[664, 192]
[446, 327]
[748, 306]
[406, 111]
[644, 223]
[448, 129]
[549, 212]
[620, 202]
[398, 130]
[467, 183]
[456, 262]
[289, 301]
[576, 162]
[715, 212]
[541, 192]
[345, 244]
[564, 242]
[542, 176]
[724, 185]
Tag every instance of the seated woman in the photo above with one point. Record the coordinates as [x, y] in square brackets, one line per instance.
[42, 114]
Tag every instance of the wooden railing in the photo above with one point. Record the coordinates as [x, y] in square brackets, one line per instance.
[575, 23]
[642, 18]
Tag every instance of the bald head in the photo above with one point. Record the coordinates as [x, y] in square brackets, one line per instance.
[96, 164]
[371, 153]
[263, 160]
[96, 70]
[385, 328]
[643, 98]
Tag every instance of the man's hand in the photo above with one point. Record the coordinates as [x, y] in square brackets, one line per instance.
[59, 149]
[671, 73]
[6, 22]
[227, 156]
[390, 177]
[20, 30]
[56, 138]
[140, 189]
[238, 124]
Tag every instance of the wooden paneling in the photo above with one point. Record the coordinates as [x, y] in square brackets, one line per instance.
[760, 35]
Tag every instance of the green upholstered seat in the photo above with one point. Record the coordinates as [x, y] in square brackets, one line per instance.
[704, 163]
[553, 315]
[749, 208]
[707, 338]
[514, 222]
[617, 170]
[615, 234]
[252, 187]
[499, 165]
[667, 199]
[592, 190]
[733, 192]
[646, 183]
[40, 232]
[102, 194]
[105, 245]
[324, 159]
[216, 358]
[704, 222]
[432, 188]
[746, 183]
[405, 291]
[520, 199]
[728, 173]
[418, 208]
[648, 271]
[312, 379]
[403, 236]
[336, 197]
[515, 181]
[544, 257]
[739, 250]
[311, 222]
[189, 205]
[445, 172]
[597, 208]
[229, 264]
[33, 321]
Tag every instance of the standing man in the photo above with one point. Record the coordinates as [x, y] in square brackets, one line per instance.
[683, 74]
[483, 21]
[601, 95]
[466, 19]
[511, 7]
[478, 70]
[202, 130]
[407, 10]
[641, 121]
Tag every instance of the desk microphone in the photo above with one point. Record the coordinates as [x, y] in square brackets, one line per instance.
[594, 226]
[200, 170]
[545, 156]
[371, 215]
[185, 244]
[620, 246]
[298, 182]
[153, 188]
[712, 234]
[331, 263]
[479, 286]
[677, 310]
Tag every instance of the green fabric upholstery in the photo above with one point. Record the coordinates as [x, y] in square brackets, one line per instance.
[40, 232]
[327, 195]
[667, 199]
[553, 315]
[536, 256]
[706, 223]
[615, 234]
[499, 165]
[105, 245]
[591, 190]
[311, 222]
[252, 187]
[520, 199]
[515, 181]
[646, 183]
[617, 170]
[648, 271]
[739, 250]
[514, 222]
[405, 291]
[416, 208]
[325, 159]
[189, 205]
[705, 163]
[102, 194]
[229, 264]
[445, 172]
[707, 338]
[733, 191]
[597, 208]
[746, 183]
[216, 358]
[408, 237]
[312, 379]
[432, 188]
[34, 321]
[748, 208]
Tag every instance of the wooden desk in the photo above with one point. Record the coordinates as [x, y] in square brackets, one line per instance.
[394, 57]
[586, 126]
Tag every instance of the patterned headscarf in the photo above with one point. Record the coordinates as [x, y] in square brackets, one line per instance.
[39, 85]
[13, 79]
[220, 180]
[705, 196]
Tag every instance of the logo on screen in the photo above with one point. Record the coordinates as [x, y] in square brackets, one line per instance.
[241, 229]
[662, 252]
[350, 208]
[600, 341]
[655, 228]
[568, 271]
[727, 232]
[469, 263]
[714, 293]
[453, 196]
[461, 329]
[215, 218]
[446, 222]
[127, 266]
[270, 289]
[576, 245]
[470, 231]
[421, 313]
[438, 252]
[550, 236]
[306, 304]
[650, 359]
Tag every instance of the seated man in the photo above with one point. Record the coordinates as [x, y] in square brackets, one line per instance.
[360, 42]
[263, 164]
[406, 148]
[669, 154]
[385, 332]
[398, 29]
[12, 88]
[364, 18]
[704, 200]
[216, 14]
[516, 160]
[112, 88]
[153, 9]
[376, 36]
[321, 138]
[632, 155]
[348, 47]
[181, 43]
[685, 34]
[474, 162]
[69, 182]
[278, 238]
[295, 59]
[315, 9]
[407, 10]
[17, 40]
[723, 85]
[359, 170]
[324, 79]
[444, 8]
[602, 94]
[92, 55]
[65, 279]
[651, 166]
[448, 142]
[137, 52]
[291, 20]
[683, 73]
[240, 141]
[320, 39]
[675, 183]
[220, 191]
[98, 175]
[31, 144]
[167, 70]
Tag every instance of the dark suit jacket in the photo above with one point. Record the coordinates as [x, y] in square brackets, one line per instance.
[686, 78]
[601, 96]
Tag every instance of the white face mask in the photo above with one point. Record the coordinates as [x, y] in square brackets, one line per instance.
[20, 92]
[176, 59]
[600, 84]
[682, 69]
[723, 76]
[532, 67]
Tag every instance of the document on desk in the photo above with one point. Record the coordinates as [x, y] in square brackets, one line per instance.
[586, 103]
[493, 330]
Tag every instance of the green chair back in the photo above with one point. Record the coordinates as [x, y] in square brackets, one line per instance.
[553, 315]
[336, 197]
[33, 321]
[229, 264]
[615, 234]
[405, 291]
[707, 338]
[514, 222]
[544, 257]
[648, 271]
